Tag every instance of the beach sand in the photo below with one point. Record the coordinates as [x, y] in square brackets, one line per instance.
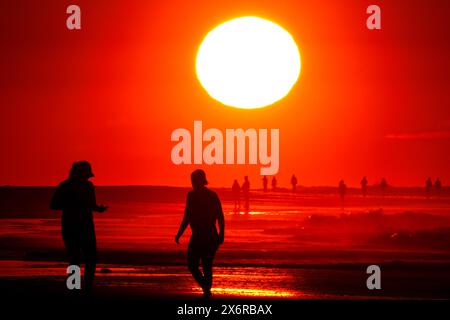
[288, 246]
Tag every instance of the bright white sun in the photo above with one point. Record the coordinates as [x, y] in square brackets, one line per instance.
[248, 63]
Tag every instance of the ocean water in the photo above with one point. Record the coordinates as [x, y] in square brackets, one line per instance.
[303, 245]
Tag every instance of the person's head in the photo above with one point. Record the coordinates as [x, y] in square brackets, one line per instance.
[246, 178]
[81, 170]
[198, 179]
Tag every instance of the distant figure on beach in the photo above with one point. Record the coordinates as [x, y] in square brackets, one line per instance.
[294, 183]
[428, 187]
[342, 191]
[246, 193]
[265, 183]
[203, 209]
[236, 191]
[274, 183]
[75, 196]
[383, 186]
[438, 186]
[364, 183]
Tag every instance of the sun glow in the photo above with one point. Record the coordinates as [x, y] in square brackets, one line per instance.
[248, 63]
[252, 292]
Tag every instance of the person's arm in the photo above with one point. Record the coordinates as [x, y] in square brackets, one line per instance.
[93, 201]
[221, 221]
[185, 222]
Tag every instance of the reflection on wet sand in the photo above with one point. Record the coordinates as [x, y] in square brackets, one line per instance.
[260, 293]
[288, 246]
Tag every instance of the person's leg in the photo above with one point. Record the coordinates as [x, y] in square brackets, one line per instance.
[207, 263]
[73, 252]
[72, 245]
[207, 266]
[89, 248]
[193, 264]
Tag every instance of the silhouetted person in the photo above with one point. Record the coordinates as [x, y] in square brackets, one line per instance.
[246, 193]
[294, 183]
[428, 187]
[438, 186]
[383, 186]
[342, 191]
[76, 198]
[274, 183]
[265, 183]
[364, 186]
[236, 191]
[203, 209]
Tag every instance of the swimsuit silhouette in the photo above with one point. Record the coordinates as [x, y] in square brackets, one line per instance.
[203, 209]
[76, 198]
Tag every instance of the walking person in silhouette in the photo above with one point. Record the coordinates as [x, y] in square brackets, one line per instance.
[364, 183]
[75, 196]
[203, 209]
[274, 183]
[265, 183]
[294, 183]
[246, 193]
[438, 186]
[342, 192]
[236, 191]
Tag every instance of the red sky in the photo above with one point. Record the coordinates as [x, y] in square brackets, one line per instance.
[372, 103]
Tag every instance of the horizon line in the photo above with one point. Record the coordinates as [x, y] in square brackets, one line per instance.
[218, 187]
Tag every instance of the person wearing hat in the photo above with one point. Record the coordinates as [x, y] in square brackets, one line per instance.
[203, 209]
[75, 196]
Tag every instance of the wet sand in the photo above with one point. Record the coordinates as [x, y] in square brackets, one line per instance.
[302, 246]
[333, 282]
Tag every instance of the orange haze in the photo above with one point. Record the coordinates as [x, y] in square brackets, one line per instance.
[372, 103]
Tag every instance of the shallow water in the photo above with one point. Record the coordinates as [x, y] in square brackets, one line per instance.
[286, 246]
